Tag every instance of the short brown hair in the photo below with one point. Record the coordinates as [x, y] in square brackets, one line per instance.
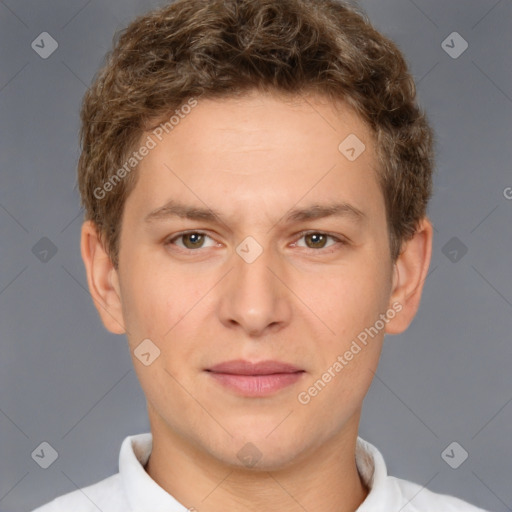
[222, 48]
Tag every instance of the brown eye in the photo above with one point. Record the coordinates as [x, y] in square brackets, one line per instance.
[318, 240]
[193, 240]
[315, 240]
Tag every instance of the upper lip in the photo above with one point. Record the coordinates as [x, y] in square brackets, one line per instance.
[241, 367]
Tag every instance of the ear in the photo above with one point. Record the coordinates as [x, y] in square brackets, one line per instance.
[409, 274]
[102, 279]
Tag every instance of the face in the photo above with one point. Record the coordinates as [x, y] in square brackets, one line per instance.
[251, 236]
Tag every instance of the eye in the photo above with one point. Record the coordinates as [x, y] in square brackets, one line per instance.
[191, 240]
[314, 240]
[318, 240]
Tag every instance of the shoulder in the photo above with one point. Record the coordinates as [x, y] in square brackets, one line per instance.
[104, 495]
[420, 499]
[391, 493]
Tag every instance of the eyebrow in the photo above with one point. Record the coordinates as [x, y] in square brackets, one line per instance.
[174, 208]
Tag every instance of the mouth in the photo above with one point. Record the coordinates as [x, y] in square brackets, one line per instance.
[255, 379]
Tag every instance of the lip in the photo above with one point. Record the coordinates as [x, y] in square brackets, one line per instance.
[255, 379]
[242, 367]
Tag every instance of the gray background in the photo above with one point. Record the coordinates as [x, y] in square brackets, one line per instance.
[65, 380]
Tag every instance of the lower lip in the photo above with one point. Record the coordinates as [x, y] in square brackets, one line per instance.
[256, 385]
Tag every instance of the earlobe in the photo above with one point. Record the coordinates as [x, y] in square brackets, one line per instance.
[102, 279]
[409, 274]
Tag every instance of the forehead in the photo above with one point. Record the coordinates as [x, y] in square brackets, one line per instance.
[259, 152]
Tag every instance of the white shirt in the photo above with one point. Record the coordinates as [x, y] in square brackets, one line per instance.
[132, 489]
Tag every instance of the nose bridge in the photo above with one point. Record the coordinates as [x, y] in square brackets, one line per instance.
[254, 274]
[252, 296]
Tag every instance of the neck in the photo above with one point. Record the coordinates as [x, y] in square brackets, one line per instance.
[326, 479]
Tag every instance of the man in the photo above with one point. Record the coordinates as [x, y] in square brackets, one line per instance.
[255, 176]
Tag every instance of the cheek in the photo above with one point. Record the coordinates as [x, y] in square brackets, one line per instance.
[350, 303]
[344, 374]
[157, 301]
[146, 299]
[347, 299]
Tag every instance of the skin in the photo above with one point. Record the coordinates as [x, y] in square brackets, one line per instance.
[302, 301]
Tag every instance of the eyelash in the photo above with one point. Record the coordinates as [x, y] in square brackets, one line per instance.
[302, 234]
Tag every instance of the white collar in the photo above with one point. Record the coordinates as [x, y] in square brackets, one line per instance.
[143, 493]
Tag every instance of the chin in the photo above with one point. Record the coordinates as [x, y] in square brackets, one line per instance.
[261, 461]
[257, 451]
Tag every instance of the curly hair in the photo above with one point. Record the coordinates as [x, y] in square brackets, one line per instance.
[224, 48]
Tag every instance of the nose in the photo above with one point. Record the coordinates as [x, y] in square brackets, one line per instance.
[253, 297]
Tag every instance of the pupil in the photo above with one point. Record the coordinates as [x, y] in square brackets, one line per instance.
[317, 238]
[194, 238]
